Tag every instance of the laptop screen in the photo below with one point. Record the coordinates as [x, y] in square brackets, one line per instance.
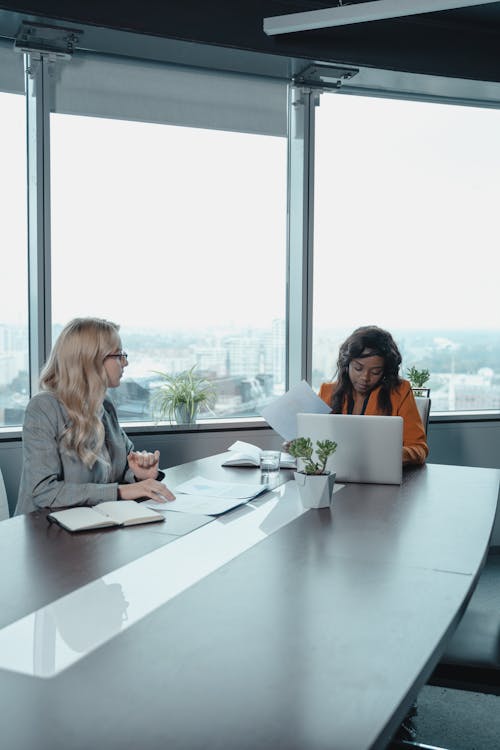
[369, 448]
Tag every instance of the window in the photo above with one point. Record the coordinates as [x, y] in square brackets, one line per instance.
[405, 237]
[177, 233]
[168, 214]
[14, 383]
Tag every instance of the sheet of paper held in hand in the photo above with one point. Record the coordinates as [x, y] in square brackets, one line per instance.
[208, 498]
[281, 414]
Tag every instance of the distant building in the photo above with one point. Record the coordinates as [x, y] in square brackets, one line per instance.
[243, 355]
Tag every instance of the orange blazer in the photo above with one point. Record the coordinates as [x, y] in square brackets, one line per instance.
[415, 449]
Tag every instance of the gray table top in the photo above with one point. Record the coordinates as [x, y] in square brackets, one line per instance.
[266, 628]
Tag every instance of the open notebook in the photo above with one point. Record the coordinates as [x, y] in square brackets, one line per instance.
[369, 448]
[112, 513]
[247, 454]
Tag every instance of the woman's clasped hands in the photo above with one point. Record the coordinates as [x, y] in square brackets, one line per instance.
[144, 465]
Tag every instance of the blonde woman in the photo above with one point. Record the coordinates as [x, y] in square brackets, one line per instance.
[74, 450]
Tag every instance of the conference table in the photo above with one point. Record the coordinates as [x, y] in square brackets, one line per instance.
[270, 626]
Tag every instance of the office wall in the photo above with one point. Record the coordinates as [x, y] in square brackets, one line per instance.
[467, 444]
[454, 443]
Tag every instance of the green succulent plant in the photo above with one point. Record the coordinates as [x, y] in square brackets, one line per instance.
[303, 448]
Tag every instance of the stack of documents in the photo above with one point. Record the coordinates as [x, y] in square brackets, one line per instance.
[207, 497]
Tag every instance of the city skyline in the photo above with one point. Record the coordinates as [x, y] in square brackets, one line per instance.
[249, 366]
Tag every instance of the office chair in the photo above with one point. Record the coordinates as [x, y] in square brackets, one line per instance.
[424, 408]
[471, 661]
[472, 657]
[4, 505]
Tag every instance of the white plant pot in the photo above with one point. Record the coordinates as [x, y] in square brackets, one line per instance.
[315, 490]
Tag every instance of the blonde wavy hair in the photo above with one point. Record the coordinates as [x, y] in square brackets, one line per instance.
[75, 374]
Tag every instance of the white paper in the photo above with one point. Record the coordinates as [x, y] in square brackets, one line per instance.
[209, 488]
[281, 414]
[199, 505]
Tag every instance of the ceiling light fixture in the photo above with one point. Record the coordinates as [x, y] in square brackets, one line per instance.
[375, 10]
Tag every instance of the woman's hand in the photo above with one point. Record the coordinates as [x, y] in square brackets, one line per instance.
[147, 488]
[144, 464]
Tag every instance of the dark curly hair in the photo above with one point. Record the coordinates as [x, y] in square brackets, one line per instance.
[368, 341]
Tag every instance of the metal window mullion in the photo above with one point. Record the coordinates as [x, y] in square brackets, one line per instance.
[301, 110]
[38, 147]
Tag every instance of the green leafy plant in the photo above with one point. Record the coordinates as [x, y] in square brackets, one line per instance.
[417, 378]
[303, 448]
[181, 395]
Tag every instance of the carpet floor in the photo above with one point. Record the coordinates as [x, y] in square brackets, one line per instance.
[455, 719]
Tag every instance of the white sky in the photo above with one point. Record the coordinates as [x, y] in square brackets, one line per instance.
[13, 279]
[167, 227]
[406, 228]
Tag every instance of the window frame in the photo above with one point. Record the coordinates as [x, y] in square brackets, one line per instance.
[41, 72]
[317, 79]
[304, 91]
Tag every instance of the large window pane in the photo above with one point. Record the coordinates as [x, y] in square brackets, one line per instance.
[178, 234]
[406, 238]
[14, 385]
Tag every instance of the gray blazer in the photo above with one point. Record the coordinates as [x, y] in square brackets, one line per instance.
[52, 478]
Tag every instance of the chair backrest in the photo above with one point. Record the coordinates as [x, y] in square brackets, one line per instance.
[4, 505]
[424, 408]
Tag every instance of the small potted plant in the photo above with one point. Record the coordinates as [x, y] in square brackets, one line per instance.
[314, 481]
[418, 379]
[181, 395]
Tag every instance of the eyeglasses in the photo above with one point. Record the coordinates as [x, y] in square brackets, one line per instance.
[122, 356]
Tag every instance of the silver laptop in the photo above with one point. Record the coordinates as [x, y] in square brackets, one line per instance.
[369, 448]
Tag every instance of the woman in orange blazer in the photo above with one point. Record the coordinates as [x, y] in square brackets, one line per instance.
[368, 382]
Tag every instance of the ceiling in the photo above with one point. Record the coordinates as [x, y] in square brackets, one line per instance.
[461, 43]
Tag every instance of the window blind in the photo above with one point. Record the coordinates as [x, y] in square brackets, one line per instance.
[11, 69]
[101, 86]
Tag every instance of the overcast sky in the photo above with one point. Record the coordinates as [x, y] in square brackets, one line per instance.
[167, 227]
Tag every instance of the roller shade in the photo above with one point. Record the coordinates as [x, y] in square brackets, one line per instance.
[11, 69]
[127, 89]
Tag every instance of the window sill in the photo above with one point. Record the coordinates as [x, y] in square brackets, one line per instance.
[201, 426]
[257, 423]
[465, 416]
[164, 428]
